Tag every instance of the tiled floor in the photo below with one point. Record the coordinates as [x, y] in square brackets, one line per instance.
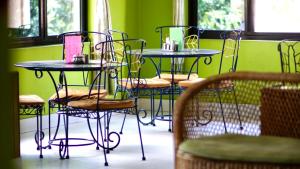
[158, 144]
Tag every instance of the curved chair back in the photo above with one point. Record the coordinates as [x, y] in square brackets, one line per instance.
[289, 56]
[230, 51]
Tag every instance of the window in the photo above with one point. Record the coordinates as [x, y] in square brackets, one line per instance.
[267, 19]
[38, 22]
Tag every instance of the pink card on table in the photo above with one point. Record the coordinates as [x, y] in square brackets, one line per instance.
[73, 46]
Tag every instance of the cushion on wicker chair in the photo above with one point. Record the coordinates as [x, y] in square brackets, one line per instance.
[146, 83]
[269, 149]
[77, 94]
[177, 77]
[30, 100]
[91, 104]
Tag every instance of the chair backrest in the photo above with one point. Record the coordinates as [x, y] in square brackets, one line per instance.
[76, 43]
[118, 43]
[80, 43]
[265, 106]
[125, 68]
[191, 40]
[289, 52]
[191, 34]
[230, 51]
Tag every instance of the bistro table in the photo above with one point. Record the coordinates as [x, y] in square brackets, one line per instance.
[186, 53]
[51, 66]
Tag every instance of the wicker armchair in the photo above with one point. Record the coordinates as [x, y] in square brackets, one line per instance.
[269, 109]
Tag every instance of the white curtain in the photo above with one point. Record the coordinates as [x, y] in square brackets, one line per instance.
[178, 12]
[102, 17]
[178, 19]
[102, 20]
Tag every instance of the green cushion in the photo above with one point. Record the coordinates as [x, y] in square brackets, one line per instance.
[268, 149]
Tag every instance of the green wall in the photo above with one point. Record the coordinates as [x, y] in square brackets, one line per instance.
[139, 18]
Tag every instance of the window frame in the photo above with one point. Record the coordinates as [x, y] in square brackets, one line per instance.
[43, 38]
[248, 33]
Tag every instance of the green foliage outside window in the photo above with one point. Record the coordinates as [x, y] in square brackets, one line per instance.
[221, 14]
[59, 16]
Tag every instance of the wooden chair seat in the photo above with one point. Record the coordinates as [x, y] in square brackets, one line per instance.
[222, 85]
[177, 77]
[30, 100]
[91, 104]
[188, 83]
[146, 83]
[77, 94]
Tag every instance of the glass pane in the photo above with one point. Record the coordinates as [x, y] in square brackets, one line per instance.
[63, 16]
[276, 16]
[23, 18]
[221, 14]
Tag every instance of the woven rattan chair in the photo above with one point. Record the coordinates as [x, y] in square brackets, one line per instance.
[269, 111]
[33, 105]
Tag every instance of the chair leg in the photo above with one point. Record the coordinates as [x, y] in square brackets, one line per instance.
[237, 109]
[41, 133]
[222, 111]
[140, 134]
[123, 122]
[102, 138]
[49, 123]
[64, 145]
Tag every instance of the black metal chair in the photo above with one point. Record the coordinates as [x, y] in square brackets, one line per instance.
[124, 69]
[85, 43]
[289, 51]
[33, 105]
[228, 63]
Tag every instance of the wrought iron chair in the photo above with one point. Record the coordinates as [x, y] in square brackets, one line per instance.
[151, 86]
[75, 43]
[78, 43]
[228, 63]
[121, 100]
[270, 138]
[33, 105]
[289, 56]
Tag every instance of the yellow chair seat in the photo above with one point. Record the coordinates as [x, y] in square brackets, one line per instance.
[177, 77]
[91, 104]
[188, 83]
[77, 94]
[30, 100]
[146, 83]
[221, 85]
